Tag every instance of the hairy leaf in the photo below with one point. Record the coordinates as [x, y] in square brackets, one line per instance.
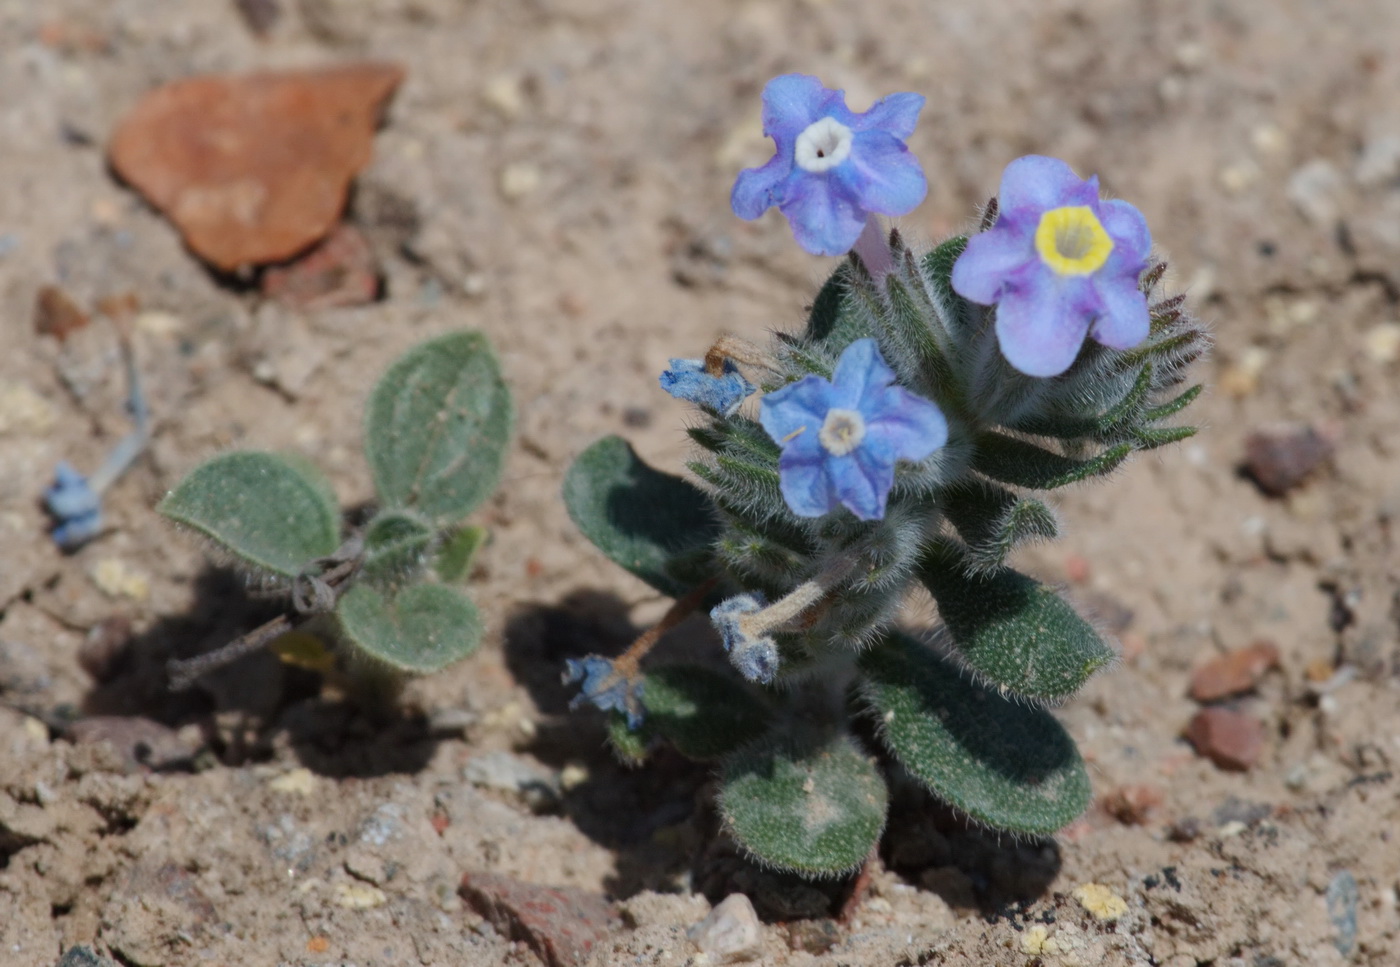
[815, 806]
[272, 513]
[704, 714]
[630, 745]
[423, 628]
[1014, 632]
[1009, 765]
[993, 522]
[1024, 464]
[659, 527]
[396, 542]
[457, 552]
[437, 426]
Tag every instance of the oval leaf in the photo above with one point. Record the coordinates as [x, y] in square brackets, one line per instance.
[272, 513]
[659, 527]
[436, 427]
[1013, 631]
[396, 543]
[421, 629]
[1004, 763]
[704, 714]
[815, 807]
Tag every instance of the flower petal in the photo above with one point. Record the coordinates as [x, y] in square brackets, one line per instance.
[1036, 181]
[794, 414]
[908, 425]
[824, 221]
[758, 189]
[882, 174]
[1041, 326]
[894, 113]
[1132, 241]
[992, 258]
[793, 101]
[687, 379]
[1123, 320]
[862, 481]
[859, 372]
[805, 484]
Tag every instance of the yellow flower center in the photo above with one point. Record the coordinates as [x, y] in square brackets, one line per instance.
[1072, 240]
[842, 431]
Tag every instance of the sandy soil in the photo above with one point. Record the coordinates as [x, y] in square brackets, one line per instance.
[555, 173]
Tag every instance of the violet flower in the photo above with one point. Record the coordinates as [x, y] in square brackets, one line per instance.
[1059, 264]
[840, 440]
[833, 167]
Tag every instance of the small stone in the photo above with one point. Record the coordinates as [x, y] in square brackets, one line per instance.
[1233, 672]
[1101, 902]
[1280, 457]
[359, 896]
[56, 314]
[561, 925]
[1315, 190]
[253, 168]
[1379, 162]
[141, 741]
[297, 782]
[519, 179]
[1036, 941]
[1241, 379]
[814, 936]
[538, 787]
[117, 579]
[1132, 805]
[260, 15]
[1382, 342]
[1342, 898]
[1230, 739]
[24, 411]
[81, 956]
[731, 934]
[340, 271]
[506, 94]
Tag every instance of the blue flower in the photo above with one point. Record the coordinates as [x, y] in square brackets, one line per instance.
[75, 506]
[605, 687]
[1059, 264]
[755, 656]
[687, 379]
[840, 440]
[833, 167]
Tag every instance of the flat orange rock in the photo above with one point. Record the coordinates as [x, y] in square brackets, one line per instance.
[253, 168]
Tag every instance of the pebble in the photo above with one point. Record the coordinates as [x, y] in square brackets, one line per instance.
[1281, 456]
[24, 411]
[1241, 379]
[1342, 897]
[117, 579]
[141, 741]
[1382, 342]
[1233, 672]
[1315, 190]
[1379, 162]
[1230, 739]
[298, 782]
[518, 179]
[253, 168]
[340, 271]
[56, 314]
[1132, 805]
[561, 925]
[1100, 901]
[731, 934]
[538, 787]
[359, 896]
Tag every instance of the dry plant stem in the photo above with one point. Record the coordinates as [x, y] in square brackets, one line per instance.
[185, 672]
[628, 662]
[739, 350]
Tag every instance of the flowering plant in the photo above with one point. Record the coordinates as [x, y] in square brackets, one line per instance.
[901, 443]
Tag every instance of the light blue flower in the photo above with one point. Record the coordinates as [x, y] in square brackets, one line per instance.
[1059, 264]
[833, 167]
[840, 440]
[687, 379]
[755, 656]
[76, 508]
[605, 687]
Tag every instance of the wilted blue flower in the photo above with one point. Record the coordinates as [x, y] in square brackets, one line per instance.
[833, 167]
[75, 506]
[1058, 264]
[687, 379]
[840, 440]
[755, 656]
[605, 687]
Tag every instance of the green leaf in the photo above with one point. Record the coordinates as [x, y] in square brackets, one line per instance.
[704, 714]
[1024, 464]
[1160, 436]
[659, 527]
[436, 428]
[993, 522]
[938, 266]
[815, 806]
[835, 322]
[630, 746]
[1173, 406]
[1007, 764]
[1013, 631]
[272, 513]
[396, 543]
[423, 628]
[457, 552]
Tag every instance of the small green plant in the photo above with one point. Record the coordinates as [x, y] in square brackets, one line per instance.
[902, 445]
[436, 429]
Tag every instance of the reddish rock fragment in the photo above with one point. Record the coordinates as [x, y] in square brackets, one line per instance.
[560, 924]
[253, 168]
[1230, 739]
[56, 314]
[1280, 457]
[340, 271]
[1233, 672]
[1132, 805]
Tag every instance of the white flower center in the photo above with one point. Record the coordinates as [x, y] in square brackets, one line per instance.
[842, 431]
[823, 145]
